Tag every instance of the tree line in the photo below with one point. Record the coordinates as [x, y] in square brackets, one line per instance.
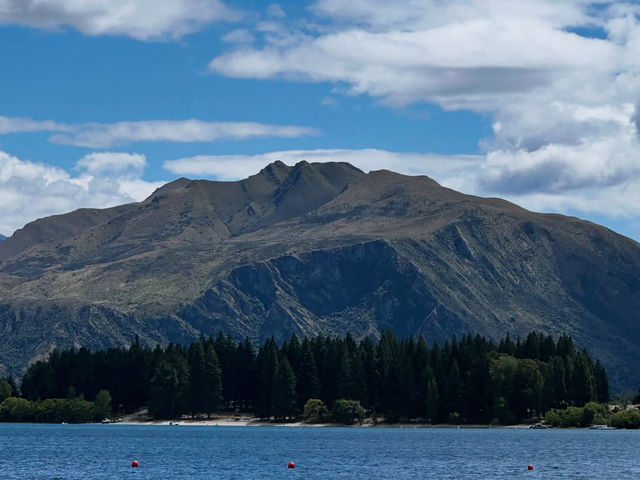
[471, 379]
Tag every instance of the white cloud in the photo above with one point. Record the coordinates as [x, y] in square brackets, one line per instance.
[30, 190]
[112, 163]
[139, 19]
[329, 102]
[472, 64]
[17, 125]
[275, 10]
[426, 14]
[239, 36]
[565, 129]
[106, 135]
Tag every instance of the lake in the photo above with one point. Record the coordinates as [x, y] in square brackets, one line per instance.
[65, 452]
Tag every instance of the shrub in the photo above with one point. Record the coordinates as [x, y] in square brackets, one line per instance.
[626, 419]
[315, 411]
[348, 411]
[14, 409]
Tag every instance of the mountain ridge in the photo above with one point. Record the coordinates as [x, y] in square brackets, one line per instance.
[317, 248]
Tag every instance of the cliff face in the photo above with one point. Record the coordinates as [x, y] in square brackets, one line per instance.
[317, 248]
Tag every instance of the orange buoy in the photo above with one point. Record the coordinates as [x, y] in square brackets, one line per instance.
[135, 464]
[529, 467]
[291, 465]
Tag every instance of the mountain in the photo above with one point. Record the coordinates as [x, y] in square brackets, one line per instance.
[317, 248]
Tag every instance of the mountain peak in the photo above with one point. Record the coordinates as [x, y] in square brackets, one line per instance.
[275, 172]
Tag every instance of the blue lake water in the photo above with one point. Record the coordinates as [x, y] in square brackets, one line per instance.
[65, 452]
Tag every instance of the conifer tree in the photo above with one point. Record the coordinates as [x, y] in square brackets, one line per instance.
[307, 383]
[212, 381]
[267, 365]
[431, 397]
[197, 384]
[284, 402]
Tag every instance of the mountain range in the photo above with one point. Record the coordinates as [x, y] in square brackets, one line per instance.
[313, 249]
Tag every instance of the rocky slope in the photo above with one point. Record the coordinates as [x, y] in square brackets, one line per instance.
[317, 248]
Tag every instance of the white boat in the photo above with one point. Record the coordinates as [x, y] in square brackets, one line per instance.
[539, 426]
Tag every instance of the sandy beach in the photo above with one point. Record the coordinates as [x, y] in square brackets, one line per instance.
[243, 420]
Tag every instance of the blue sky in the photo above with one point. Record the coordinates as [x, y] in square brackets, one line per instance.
[104, 100]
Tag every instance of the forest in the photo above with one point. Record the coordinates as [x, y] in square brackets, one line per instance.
[466, 380]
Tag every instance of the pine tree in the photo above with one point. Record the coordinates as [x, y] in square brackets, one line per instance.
[284, 402]
[196, 387]
[507, 346]
[307, 382]
[267, 367]
[454, 389]
[420, 364]
[582, 382]
[370, 368]
[212, 381]
[247, 374]
[431, 397]
[168, 386]
[601, 383]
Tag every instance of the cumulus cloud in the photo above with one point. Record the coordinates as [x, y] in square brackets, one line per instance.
[113, 163]
[563, 104]
[31, 190]
[139, 19]
[453, 64]
[106, 135]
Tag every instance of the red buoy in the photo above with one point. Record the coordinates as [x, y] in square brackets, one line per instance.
[291, 465]
[529, 467]
[135, 464]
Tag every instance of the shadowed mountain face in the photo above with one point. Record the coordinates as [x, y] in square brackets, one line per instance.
[316, 248]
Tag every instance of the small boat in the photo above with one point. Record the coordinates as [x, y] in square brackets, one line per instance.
[539, 426]
[600, 427]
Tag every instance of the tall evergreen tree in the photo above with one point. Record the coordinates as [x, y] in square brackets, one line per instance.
[601, 383]
[168, 388]
[267, 367]
[431, 397]
[247, 374]
[284, 402]
[454, 389]
[212, 381]
[197, 384]
[307, 384]
[370, 367]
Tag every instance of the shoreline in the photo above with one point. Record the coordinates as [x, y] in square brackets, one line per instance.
[250, 421]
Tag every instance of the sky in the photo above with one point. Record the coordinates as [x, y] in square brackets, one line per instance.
[534, 101]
